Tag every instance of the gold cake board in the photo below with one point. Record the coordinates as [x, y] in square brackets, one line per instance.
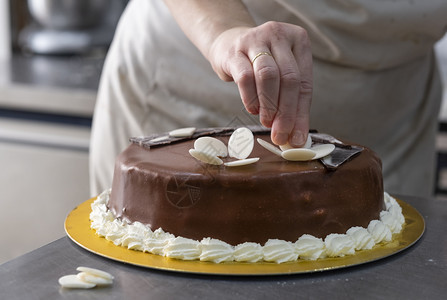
[77, 227]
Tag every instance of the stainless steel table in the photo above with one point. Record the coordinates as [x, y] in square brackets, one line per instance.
[419, 272]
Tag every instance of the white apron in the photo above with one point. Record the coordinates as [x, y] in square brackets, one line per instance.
[375, 81]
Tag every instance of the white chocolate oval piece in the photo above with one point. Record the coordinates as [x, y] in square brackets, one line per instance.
[95, 272]
[322, 150]
[90, 278]
[307, 145]
[241, 162]
[159, 139]
[73, 282]
[182, 132]
[241, 143]
[298, 154]
[211, 146]
[269, 147]
[205, 157]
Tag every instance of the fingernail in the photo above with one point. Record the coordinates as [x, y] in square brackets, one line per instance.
[281, 138]
[298, 139]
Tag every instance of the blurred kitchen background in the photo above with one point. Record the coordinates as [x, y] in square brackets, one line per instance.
[51, 56]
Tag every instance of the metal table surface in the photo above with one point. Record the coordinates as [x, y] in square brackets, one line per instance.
[419, 272]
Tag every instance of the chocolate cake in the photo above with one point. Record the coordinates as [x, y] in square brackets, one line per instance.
[163, 186]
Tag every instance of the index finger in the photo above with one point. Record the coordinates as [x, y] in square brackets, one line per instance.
[289, 75]
[303, 54]
[295, 64]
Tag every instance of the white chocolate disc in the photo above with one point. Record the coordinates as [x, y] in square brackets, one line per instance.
[211, 146]
[307, 145]
[205, 157]
[95, 272]
[241, 143]
[269, 147]
[322, 150]
[90, 278]
[298, 154]
[159, 139]
[182, 132]
[73, 282]
[241, 162]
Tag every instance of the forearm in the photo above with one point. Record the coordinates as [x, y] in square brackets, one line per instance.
[204, 20]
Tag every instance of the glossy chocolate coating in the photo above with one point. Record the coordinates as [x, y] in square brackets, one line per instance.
[271, 199]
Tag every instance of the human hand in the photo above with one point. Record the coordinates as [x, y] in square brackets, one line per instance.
[272, 67]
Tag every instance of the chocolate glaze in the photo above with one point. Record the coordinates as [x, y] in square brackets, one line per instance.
[271, 199]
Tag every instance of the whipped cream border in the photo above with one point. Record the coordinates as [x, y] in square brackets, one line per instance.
[137, 236]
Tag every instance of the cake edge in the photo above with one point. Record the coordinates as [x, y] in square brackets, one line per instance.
[140, 237]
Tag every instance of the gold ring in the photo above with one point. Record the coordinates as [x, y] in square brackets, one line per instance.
[260, 54]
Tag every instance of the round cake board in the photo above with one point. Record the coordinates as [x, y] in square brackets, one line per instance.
[77, 227]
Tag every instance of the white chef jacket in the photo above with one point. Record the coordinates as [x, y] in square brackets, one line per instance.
[375, 81]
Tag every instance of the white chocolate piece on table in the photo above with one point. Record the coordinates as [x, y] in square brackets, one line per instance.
[95, 272]
[73, 282]
[90, 278]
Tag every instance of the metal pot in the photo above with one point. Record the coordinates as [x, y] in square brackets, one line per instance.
[68, 14]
